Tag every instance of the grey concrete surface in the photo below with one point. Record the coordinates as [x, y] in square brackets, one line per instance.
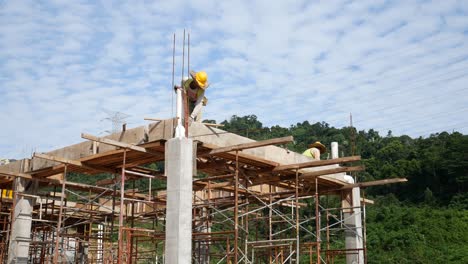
[179, 171]
[20, 238]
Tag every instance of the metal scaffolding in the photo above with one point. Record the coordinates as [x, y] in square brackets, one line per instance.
[246, 209]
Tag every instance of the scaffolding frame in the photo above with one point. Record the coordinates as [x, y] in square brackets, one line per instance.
[245, 209]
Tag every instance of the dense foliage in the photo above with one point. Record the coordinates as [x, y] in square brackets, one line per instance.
[422, 221]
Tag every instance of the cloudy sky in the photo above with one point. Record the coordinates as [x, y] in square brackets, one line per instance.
[66, 66]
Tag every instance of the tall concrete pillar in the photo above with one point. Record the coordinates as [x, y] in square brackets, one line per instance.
[351, 202]
[179, 171]
[353, 223]
[20, 237]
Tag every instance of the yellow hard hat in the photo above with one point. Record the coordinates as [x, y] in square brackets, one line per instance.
[319, 146]
[202, 79]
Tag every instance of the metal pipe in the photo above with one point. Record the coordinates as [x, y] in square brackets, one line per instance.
[59, 224]
[297, 215]
[236, 208]
[180, 129]
[317, 219]
[122, 196]
[139, 174]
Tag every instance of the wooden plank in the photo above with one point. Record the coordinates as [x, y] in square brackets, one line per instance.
[315, 174]
[72, 162]
[317, 163]
[243, 158]
[220, 185]
[373, 183]
[250, 145]
[214, 178]
[118, 144]
[271, 179]
[106, 182]
[213, 125]
[367, 201]
[153, 119]
[57, 182]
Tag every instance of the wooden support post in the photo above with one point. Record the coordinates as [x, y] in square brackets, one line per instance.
[364, 231]
[246, 260]
[328, 235]
[236, 209]
[228, 250]
[59, 224]
[121, 211]
[297, 216]
[317, 219]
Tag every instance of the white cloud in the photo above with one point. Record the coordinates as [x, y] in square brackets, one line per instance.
[395, 65]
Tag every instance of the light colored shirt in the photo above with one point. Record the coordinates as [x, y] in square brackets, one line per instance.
[197, 97]
[312, 153]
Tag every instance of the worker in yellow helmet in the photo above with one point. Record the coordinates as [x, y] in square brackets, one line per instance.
[194, 89]
[314, 150]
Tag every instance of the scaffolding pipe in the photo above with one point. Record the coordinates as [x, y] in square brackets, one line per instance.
[59, 224]
[121, 210]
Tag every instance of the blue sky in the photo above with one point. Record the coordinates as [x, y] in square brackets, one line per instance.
[395, 65]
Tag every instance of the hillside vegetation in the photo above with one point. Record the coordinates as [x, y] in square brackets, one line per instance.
[422, 221]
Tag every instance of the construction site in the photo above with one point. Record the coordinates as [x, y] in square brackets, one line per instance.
[182, 191]
[248, 202]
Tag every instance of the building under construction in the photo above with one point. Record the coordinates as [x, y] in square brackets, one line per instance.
[251, 202]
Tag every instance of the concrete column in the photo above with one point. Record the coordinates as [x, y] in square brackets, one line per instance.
[353, 225]
[20, 237]
[334, 150]
[352, 217]
[179, 171]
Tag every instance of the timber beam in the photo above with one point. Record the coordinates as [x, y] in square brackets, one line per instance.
[75, 185]
[315, 174]
[373, 183]
[250, 145]
[73, 162]
[317, 163]
[119, 144]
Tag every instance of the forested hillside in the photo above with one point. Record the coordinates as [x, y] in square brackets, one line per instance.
[422, 221]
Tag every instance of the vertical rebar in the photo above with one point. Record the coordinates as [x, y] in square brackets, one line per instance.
[188, 54]
[353, 136]
[183, 57]
[173, 71]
